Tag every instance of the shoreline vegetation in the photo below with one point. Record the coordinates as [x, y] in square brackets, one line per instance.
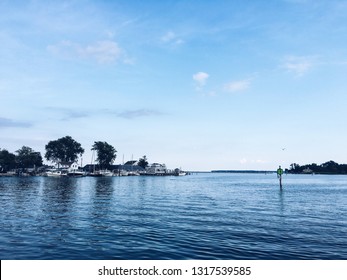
[65, 153]
[328, 168]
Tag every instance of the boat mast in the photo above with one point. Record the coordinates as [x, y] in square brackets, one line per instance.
[92, 161]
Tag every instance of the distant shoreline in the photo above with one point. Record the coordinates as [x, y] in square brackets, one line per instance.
[243, 171]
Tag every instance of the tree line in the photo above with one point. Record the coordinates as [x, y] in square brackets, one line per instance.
[62, 150]
[329, 167]
[25, 157]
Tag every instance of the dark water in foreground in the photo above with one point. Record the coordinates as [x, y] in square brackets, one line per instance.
[204, 216]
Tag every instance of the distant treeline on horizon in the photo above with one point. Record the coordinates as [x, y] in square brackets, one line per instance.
[243, 171]
[329, 167]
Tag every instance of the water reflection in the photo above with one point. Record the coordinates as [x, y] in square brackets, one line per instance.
[102, 202]
[104, 187]
[281, 200]
[206, 216]
[59, 195]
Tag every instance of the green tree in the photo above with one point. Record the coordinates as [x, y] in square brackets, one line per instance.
[64, 149]
[106, 153]
[295, 168]
[27, 157]
[143, 162]
[7, 161]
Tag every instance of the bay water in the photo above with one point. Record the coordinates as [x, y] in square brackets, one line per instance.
[200, 216]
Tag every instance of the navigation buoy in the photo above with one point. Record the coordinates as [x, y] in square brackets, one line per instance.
[279, 175]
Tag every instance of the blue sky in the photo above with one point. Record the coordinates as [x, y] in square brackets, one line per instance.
[194, 84]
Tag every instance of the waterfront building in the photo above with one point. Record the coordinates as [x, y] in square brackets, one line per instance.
[156, 169]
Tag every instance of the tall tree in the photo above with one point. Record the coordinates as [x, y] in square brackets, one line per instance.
[64, 149]
[143, 162]
[106, 153]
[7, 161]
[27, 157]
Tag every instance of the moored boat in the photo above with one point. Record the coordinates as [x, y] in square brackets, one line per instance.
[101, 173]
[56, 173]
[76, 173]
[179, 172]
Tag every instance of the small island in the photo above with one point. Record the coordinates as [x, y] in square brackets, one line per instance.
[329, 167]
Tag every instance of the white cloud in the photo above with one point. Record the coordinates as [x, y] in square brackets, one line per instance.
[200, 78]
[101, 51]
[168, 37]
[171, 38]
[237, 85]
[298, 65]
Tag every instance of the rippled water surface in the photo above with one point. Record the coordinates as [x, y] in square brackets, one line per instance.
[201, 216]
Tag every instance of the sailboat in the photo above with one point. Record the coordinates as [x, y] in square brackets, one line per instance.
[132, 172]
[99, 173]
[94, 173]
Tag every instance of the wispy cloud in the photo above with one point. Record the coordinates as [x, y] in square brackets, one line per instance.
[200, 79]
[236, 86]
[134, 114]
[171, 38]
[101, 51]
[67, 114]
[298, 65]
[5, 122]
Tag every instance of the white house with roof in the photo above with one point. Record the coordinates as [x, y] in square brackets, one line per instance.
[70, 166]
[156, 169]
